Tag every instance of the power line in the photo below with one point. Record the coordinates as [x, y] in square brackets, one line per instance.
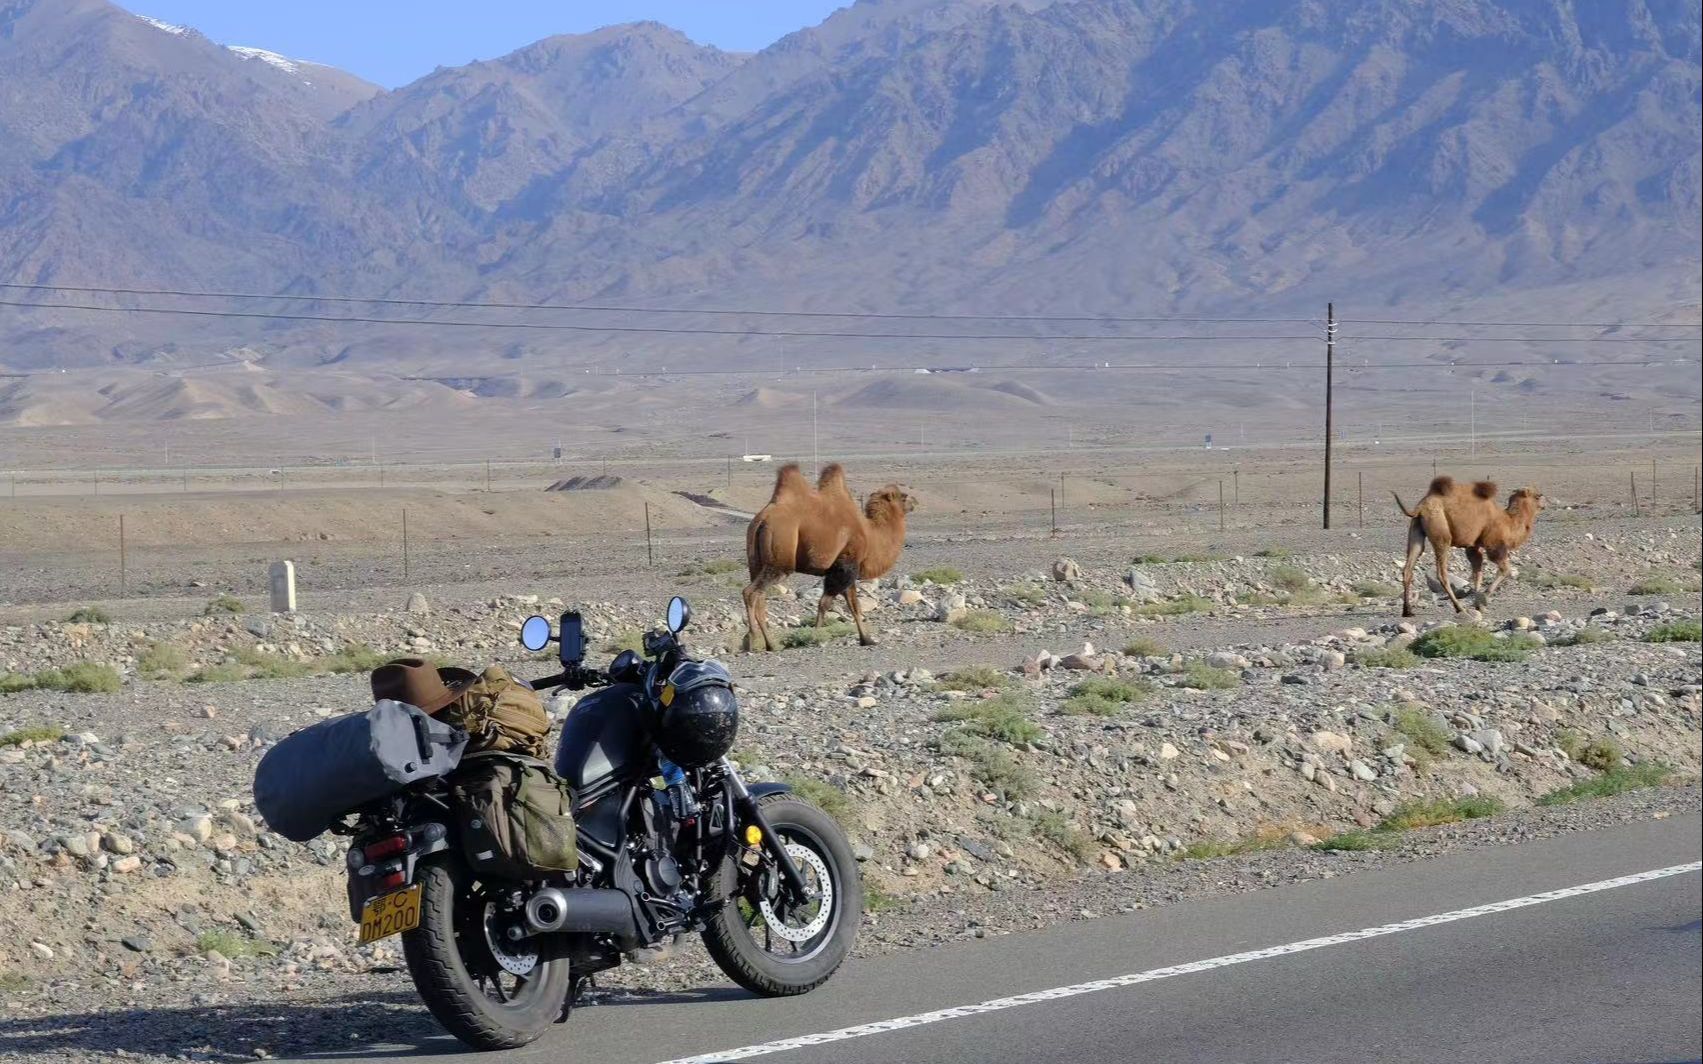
[1542, 339]
[614, 309]
[1523, 324]
[656, 330]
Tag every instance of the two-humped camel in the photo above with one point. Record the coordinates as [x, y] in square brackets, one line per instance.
[820, 531]
[1458, 515]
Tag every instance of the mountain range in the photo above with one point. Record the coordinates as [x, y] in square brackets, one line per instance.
[1073, 157]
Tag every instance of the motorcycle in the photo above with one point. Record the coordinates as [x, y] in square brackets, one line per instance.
[765, 877]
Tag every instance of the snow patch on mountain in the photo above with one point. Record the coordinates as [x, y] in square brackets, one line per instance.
[174, 30]
[284, 63]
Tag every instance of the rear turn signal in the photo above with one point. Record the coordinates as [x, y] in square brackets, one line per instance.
[753, 835]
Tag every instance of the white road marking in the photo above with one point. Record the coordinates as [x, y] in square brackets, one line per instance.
[900, 1023]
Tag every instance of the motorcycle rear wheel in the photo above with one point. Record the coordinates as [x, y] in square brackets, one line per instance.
[772, 948]
[458, 977]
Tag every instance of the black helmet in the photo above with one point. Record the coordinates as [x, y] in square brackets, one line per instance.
[700, 716]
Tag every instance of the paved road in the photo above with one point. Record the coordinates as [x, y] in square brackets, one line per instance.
[1610, 975]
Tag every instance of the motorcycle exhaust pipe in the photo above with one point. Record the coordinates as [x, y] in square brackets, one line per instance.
[582, 909]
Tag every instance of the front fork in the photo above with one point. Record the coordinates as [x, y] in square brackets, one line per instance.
[745, 804]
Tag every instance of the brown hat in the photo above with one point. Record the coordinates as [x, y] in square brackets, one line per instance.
[416, 682]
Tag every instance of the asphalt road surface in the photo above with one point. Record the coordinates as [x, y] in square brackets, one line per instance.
[1471, 959]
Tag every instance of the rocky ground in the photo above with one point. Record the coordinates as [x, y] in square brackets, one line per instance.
[1038, 738]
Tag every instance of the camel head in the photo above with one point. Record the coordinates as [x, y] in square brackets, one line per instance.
[889, 499]
[1527, 498]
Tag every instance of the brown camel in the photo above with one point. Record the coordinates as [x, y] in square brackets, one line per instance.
[1457, 515]
[820, 532]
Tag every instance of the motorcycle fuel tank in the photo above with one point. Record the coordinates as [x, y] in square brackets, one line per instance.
[606, 734]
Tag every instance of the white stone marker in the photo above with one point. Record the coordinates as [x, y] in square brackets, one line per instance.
[283, 583]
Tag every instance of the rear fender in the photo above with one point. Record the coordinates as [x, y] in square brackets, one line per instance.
[424, 840]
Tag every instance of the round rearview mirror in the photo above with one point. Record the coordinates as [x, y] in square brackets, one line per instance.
[679, 614]
[535, 633]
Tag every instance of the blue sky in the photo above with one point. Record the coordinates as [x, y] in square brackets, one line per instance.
[392, 42]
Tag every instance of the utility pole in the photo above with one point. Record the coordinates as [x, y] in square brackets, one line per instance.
[1472, 406]
[815, 449]
[1330, 360]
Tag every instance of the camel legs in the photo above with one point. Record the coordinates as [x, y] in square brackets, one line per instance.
[1441, 550]
[756, 596]
[1415, 547]
[1503, 571]
[857, 615]
[1475, 556]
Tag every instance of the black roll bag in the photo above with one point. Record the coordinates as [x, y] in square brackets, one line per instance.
[313, 777]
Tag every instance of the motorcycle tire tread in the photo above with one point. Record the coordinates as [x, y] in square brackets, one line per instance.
[719, 935]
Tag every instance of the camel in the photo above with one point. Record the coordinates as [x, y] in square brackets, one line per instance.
[1457, 515]
[820, 531]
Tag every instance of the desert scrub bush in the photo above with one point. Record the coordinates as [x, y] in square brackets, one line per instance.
[1145, 647]
[1278, 553]
[1025, 594]
[163, 661]
[1372, 589]
[263, 665]
[1548, 581]
[876, 900]
[713, 567]
[1479, 644]
[1424, 736]
[220, 672]
[1056, 829]
[1583, 637]
[826, 797]
[1570, 742]
[1660, 584]
[35, 733]
[1601, 754]
[1002, 718]
[1170, 559]
[940, 574]
[1385, 658]
[1103, 697]
[1099, 603]
[354, 657]
[1675, 632]
[12, 683]
[1177, 607]
[1355, 841]
[991, 766]
[627, 639]
[1290, 577]
[1434, 811]
[1199, 676]
[976, 678]
[982, 622]
[232, 945]
[1617, 780]
[83, 678]
[808, 635]
[1262, 839]
[223, 604]
[89, 615]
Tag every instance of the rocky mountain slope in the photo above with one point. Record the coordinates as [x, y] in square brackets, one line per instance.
[955, 155]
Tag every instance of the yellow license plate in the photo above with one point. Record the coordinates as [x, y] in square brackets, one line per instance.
[391, 914]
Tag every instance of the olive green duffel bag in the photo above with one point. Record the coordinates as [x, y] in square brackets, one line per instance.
[515, 816]
[499, 713]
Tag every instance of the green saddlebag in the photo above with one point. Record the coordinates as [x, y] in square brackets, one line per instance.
[515, 817]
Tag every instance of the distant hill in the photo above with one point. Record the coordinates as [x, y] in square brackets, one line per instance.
[1099, 156]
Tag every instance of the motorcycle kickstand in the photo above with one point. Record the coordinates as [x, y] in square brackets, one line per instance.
[578, 987]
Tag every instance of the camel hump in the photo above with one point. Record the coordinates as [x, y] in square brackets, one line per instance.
[1484, 489]
[788, 480]
[1441, 486]
[833, 478]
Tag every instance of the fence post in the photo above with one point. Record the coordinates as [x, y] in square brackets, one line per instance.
[1220, 504]
[730, 472]
[404, 544]
[487, 476]
[650, 549]
[123, 562]
[1652, 485]
[1053, 494]
[1634, 478]
[97, 482]
[1696, 489]
[1360, 490]
[1236, 488]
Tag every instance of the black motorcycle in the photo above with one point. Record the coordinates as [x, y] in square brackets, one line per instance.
[671, 841]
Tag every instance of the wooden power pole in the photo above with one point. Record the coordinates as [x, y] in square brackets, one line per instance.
[1330, 358]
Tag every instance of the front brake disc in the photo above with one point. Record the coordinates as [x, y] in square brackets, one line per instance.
[810, 865]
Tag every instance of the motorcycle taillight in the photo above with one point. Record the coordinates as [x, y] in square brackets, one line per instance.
[379, 850]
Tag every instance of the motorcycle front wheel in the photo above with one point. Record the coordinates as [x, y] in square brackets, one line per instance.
[487, 992]
[765, 942]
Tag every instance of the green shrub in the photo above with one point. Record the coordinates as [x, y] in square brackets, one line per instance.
[1002, 718]
[232, 945]
[1658, 584]
[163, 661]
[1025, 594]
[991, 766]
[223, 672]
[12, 683]
[976, 678]
[713, 567]
[876, 900]
[1290, 577]
[1570, 743]
[1355, 841]
[940, 574]
[83, 678]
[1170, 559]
[1435, 811]
[1177, 607]
[39, 733]
[266, 666]
[89, 615]
[1375, 589]
[1601, 754]
[628, 639]
[224, 604]
[1385, 658]
[1688, 631]
[826, 797]
[1424, 737]
[1274, 552]
[354, 657]
[1103, 697]
[1199, 676]
[982, 622]
[1617, 780]
[811, 636]
[1054, 828]
[1264, 839]
[1144, 647]
[1099, 603]
[1466, 641]
[1584, 637]
[1549, 581]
